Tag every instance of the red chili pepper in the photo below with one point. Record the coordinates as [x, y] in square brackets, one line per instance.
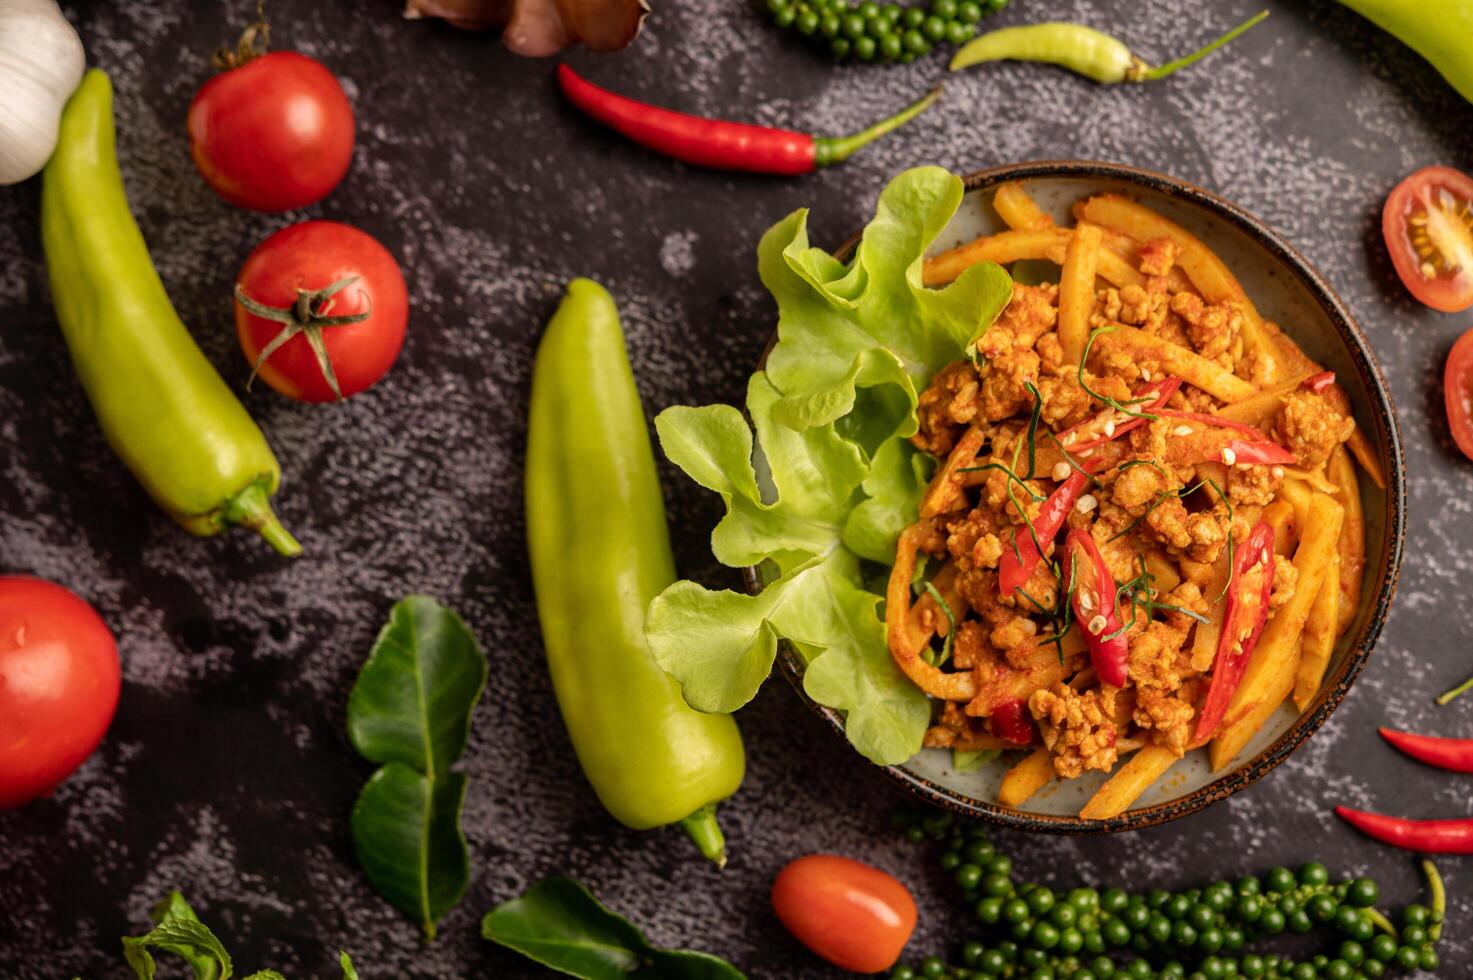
[1096, 609]
[1011, 722]
[1017, 563]
[1091, 433]
[1318, 382]
[1263, 453]
[1212, 421]
[1429, 836]
[720, 144]
[1242, 622]
[1453, 754]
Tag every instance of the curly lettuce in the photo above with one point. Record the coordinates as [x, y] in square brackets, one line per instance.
[823, 478]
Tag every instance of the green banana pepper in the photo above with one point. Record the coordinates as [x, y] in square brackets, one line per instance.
[1439, 30]
[600, 552]
[163, 407]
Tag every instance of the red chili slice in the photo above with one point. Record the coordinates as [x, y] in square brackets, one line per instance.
[1017, 563]
[1242, 623]
[1096, 609]
[1213, 421]
[1262, 453]
[1317, 383]
[1011, 722]
[1091, 433]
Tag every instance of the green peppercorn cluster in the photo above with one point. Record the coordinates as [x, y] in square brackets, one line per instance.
[871, 32]
[1029, 930]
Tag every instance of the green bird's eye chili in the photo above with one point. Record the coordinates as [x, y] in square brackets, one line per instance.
[1082, 50]
[600, 552]
[163, 407]
[717, 143]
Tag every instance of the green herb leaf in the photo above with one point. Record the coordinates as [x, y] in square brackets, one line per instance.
[559, 924]
[410, 710]
[178, 930]
[838, 395]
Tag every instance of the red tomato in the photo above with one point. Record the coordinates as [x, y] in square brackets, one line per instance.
[274, 134]
[855, 916]
[1457, 392]
[313, 256]
[59, 681]
[1428, 226]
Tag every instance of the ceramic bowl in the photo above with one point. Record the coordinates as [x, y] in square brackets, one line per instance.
[1289, 291]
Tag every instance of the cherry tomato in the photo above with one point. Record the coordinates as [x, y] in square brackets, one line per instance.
[274, 134]
[1428, 226]
[59, 681]
[1457, 392]
[355, 302]
[855, 916]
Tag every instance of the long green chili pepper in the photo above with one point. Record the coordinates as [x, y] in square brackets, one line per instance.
[163, 407]
[600, 553]
[1439, 30]
[1083, 50]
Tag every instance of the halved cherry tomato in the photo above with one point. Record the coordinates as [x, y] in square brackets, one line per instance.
[274, 134]
[59, 683]
[1457, 392]
[1428, 227]
[857, 917]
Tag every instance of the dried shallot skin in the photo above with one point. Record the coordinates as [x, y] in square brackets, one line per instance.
[538, 28]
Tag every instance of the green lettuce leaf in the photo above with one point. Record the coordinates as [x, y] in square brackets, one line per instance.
[823, 477]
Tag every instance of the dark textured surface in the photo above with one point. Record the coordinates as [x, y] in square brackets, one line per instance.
[227, 772]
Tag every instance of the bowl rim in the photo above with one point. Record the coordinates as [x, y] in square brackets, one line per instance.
[1383, 413]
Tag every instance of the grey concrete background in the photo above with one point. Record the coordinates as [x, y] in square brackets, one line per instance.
[227, 772]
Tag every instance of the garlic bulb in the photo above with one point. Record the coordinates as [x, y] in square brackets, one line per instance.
[41, 64]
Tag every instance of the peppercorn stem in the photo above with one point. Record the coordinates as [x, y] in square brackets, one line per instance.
[252, 508]
[1461, 689]
[706, 832]
[829, 150]
[1439, 899]
[1151, 74]
[1379, 920]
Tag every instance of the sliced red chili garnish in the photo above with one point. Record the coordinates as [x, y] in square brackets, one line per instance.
[1017, 563]
[1317, 383]
[1011, 722]
[1239, 451]
[1242, 624]
[1111, 423]
[1213, 421]
[1096, 609]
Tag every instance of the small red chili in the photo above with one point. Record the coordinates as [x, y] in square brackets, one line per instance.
[1429, 836]
[1242, 623]
[1453, 754]
[720, 144]
[1096, 608]
[1011, 722]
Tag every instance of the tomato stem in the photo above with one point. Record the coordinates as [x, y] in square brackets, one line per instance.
[254, 41]
[307, 316]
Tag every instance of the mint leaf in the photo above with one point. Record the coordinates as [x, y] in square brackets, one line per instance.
[559, 924]
[410, 709]
[184, 937]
